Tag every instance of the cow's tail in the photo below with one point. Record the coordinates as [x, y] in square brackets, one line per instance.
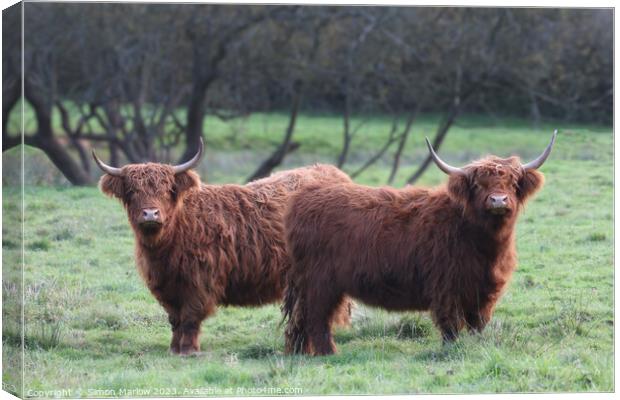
[295, 334]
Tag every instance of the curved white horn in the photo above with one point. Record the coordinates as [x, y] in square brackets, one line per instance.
[540, 160]
[191, 163]
[445, 167]
[106, 168]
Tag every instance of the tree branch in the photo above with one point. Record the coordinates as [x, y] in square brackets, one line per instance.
[391, 139]
[286, 146]
[401, 145]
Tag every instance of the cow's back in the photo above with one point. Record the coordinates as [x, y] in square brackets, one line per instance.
[243, 249]
[294, 179]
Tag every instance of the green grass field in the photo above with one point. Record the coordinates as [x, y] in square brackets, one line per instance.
[91, 325]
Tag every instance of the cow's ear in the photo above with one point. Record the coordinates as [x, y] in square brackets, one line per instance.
[186, 180]
[112, 185]
[529, 183]
[459, 187]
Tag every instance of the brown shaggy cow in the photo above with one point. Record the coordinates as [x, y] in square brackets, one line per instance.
[198, 246]
[449, 250]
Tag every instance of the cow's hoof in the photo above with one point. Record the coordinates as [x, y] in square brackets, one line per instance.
[193, 353]
[189, 352]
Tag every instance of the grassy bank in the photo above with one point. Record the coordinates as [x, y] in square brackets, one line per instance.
[91, 323]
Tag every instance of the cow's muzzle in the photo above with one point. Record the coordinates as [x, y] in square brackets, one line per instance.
[150, 218]
[498, 204]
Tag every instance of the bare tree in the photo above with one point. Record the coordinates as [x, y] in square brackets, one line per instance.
[138, 80]
[39, 90]
[122, 71]
[309, 26]
[350, 76]
[11, 68]
[211, 33]
[287, 145]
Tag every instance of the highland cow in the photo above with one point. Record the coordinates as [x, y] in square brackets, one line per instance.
[198, 246]
[449, 250]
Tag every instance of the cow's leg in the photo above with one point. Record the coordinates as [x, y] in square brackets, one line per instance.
[321, 338]
[191, 318]
[296, 336]
[449, 332]
[189, 343]
[342, 313]
[449, 321]
[478, 319]
[322, 307]
[175, 321]
[175, 343]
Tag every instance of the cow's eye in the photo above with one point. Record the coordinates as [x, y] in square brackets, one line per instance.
[128, 196]
[173, 193]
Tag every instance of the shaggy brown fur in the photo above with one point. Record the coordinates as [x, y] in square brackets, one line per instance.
[438, 249]
[216, 244]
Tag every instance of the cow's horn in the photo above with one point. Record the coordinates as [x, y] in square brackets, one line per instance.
[106, 168]
[445, 167]
[543, 157]
[191, 163]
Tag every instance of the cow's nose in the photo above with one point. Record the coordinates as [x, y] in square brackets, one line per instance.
[499, 200]
[150, 214]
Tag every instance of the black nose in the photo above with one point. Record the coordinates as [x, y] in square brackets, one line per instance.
[150, 214]
[499, 200]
